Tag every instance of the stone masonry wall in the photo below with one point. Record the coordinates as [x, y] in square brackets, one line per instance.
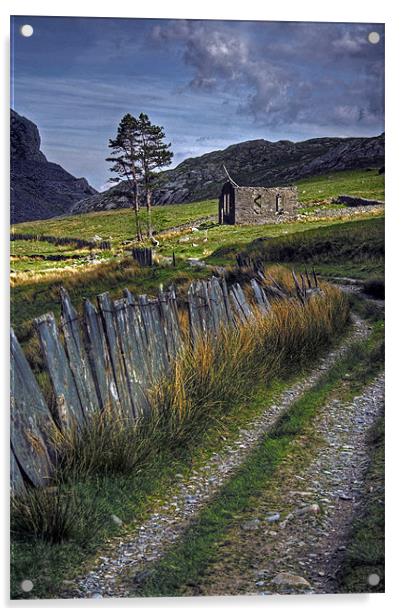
[254, 205]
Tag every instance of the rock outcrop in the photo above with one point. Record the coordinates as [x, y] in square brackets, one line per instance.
[251, 163]
[39, 189]
[355, 201]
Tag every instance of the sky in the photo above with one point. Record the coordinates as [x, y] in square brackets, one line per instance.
[208, 83]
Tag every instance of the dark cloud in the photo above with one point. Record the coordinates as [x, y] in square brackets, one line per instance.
[286, 73]
[209, 83]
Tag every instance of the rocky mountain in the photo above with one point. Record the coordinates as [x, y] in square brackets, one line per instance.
[251, 163]
[39, 188]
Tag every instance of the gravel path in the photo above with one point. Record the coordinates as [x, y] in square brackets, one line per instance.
[301, 551]
[166, 524]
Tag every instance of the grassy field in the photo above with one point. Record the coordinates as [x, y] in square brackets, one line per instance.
[366, 183]
[335, 247]
[118, 225]
[347, 248]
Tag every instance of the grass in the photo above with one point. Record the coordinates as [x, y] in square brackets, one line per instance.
[355, 240]
[118, 225]
[214, 389]
[185, 563]
[360, 183]
[218, 244]
[128, 496]
[337, 247]
[96, 494]
[367, 309]
[21, 248]
[36, 295]
[353, 248]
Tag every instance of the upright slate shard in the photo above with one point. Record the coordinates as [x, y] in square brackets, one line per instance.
[77, 356]
[32, 426]
[69, 411]
[107, 310]
[100, 361]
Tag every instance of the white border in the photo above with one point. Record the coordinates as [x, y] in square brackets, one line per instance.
[371, 11]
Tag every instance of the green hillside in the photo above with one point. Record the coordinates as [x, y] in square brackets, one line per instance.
[118, 225]
[366, 183]
[39, 268]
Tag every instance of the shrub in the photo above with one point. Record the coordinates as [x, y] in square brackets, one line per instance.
[374, 287]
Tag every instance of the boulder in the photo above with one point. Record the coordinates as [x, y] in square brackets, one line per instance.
[355, 201]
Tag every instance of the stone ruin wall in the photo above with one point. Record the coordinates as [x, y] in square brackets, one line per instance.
[254, 205]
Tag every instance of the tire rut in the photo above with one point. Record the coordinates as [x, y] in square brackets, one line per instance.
[166, 524]
[302, 551]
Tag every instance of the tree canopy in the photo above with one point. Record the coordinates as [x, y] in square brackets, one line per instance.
[138, 152]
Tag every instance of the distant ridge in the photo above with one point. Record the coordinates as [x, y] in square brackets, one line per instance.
[39, 189]
[251, 163]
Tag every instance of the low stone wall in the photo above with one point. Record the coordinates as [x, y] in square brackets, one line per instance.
[340, 212]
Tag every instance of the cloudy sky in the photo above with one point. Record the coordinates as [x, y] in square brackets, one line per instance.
[209, 83]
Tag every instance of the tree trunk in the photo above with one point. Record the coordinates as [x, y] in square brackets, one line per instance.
[148, 206]
[136, 213]
[137, 225]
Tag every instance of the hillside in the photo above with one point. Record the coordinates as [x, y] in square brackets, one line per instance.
[39, 188]
[118, 225]
[251, 163]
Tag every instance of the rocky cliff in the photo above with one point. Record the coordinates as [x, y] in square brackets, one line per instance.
[39, 188]
[251, 163]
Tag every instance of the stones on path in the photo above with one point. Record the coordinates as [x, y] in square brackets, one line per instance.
[312, 536]
[128, 558]
[273, 518]
[250, 524]
[290, 580]
[314, 508]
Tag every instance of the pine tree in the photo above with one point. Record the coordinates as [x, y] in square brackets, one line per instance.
[125, 159]
[153, 154]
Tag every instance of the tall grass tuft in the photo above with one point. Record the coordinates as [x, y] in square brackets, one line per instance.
[218, 371]
[107, 444]
[52, 514]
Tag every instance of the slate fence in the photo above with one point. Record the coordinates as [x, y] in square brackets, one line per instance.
[62, 241]
[110, 355]
[143, 256]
